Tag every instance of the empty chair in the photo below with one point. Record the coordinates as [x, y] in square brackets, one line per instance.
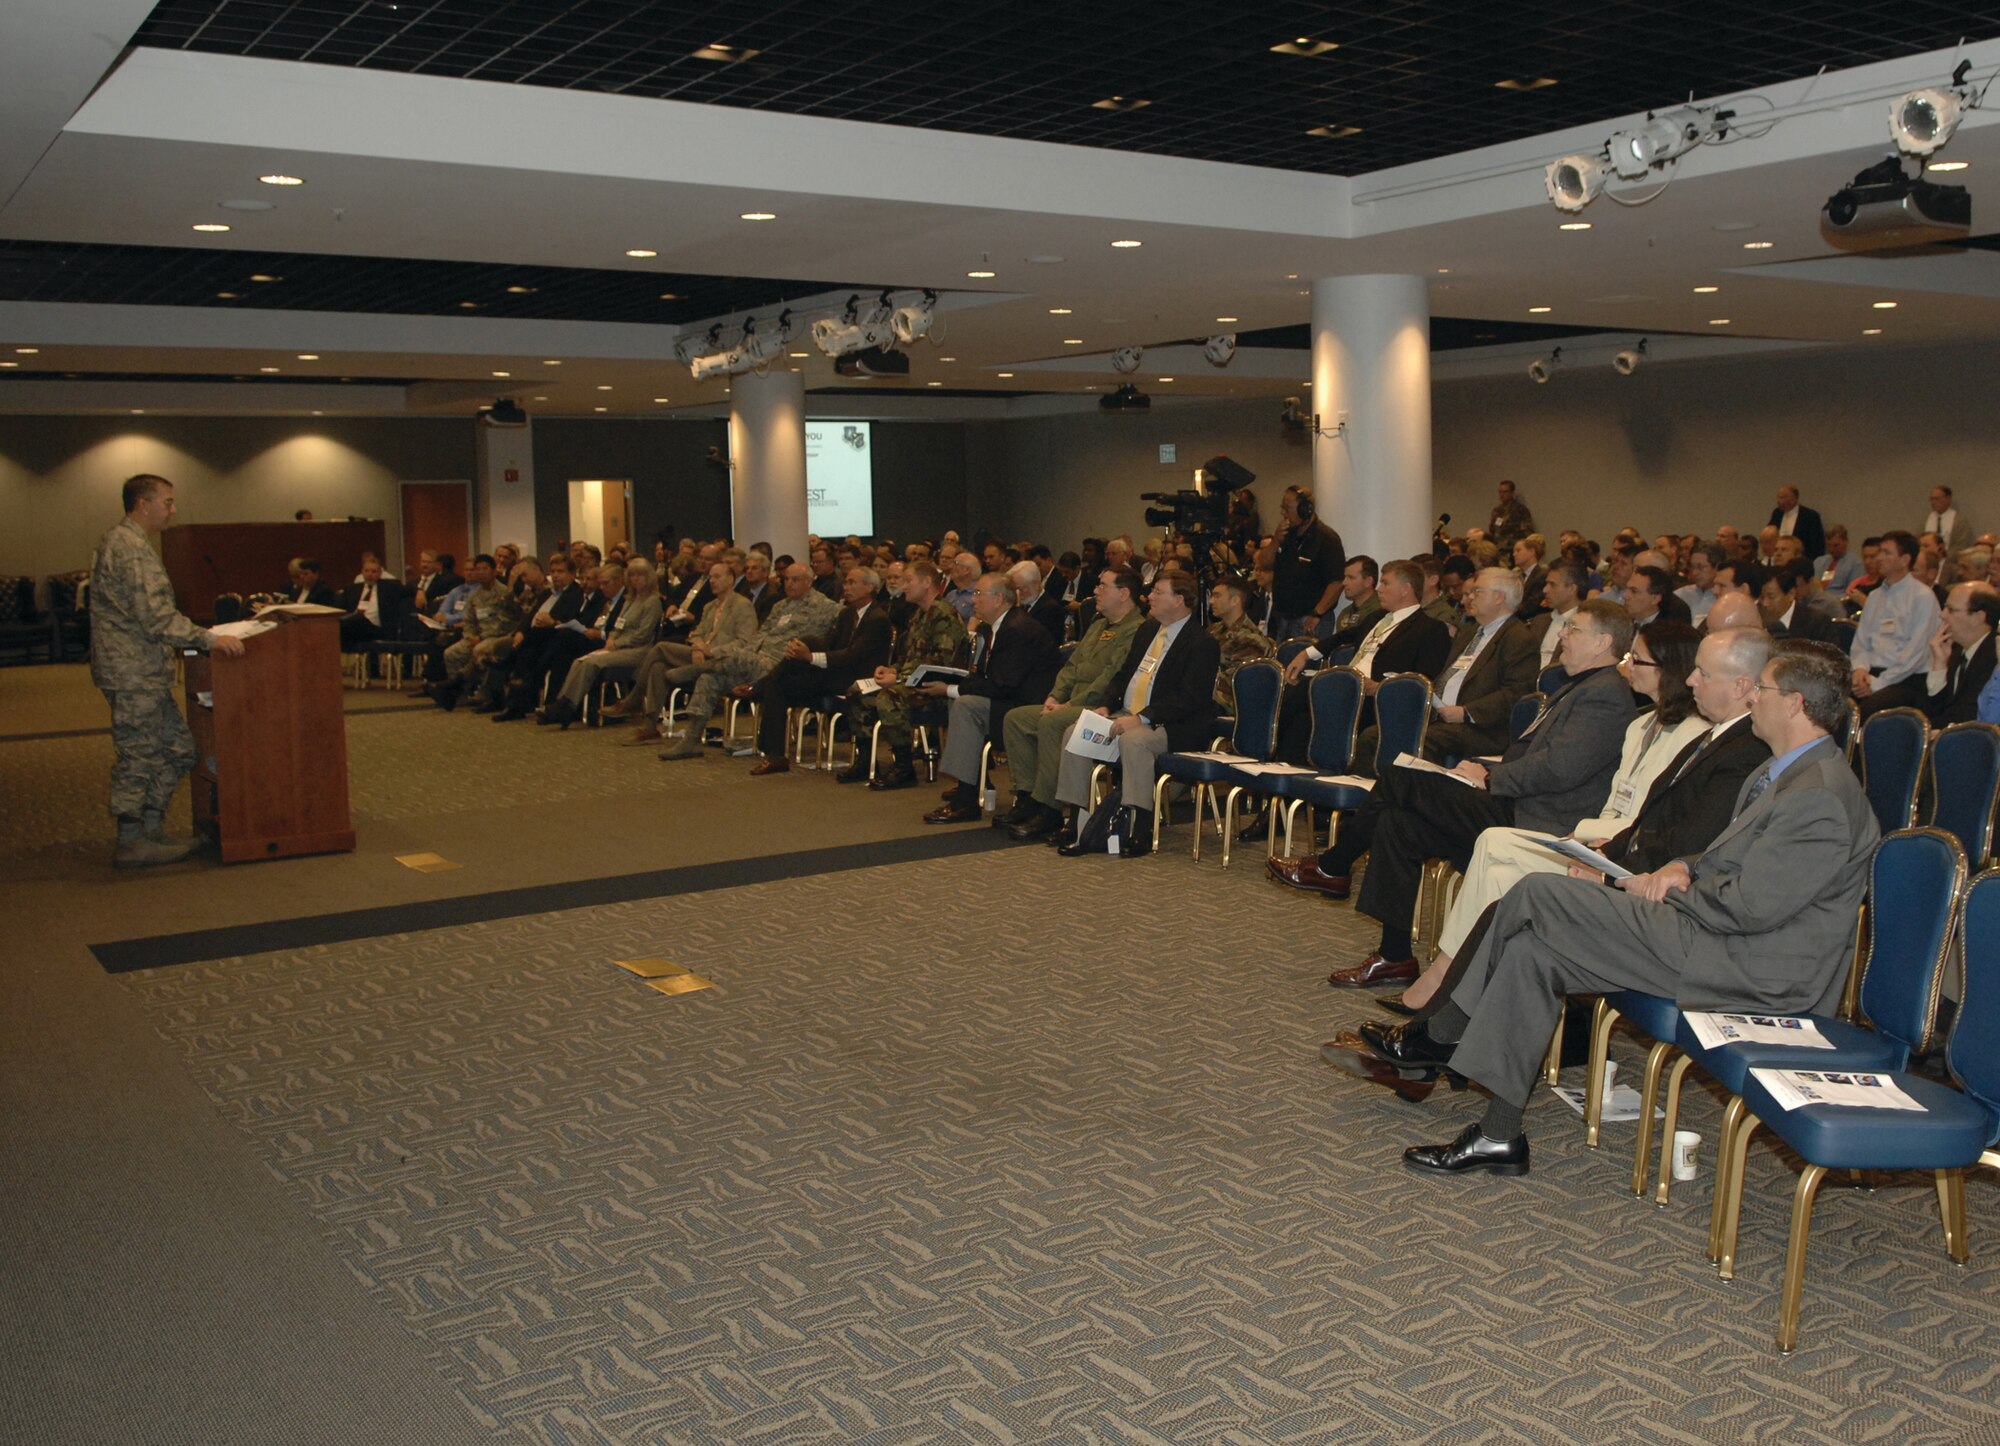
[1965, 781]
[1892, 764]
[1527, 709]
[1334, 695]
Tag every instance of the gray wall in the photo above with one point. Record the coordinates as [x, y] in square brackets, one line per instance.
[667, 462]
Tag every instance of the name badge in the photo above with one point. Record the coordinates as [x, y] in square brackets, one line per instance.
[1149, 664]
[1622, 798]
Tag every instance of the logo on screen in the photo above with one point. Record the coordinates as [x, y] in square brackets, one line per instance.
[815, 494]
[855, 438]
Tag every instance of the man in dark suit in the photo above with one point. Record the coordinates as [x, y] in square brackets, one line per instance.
[1762, 920]
[1161, 700]
[1043, 604]
[1493, 664]
[1558, 772]
[826, 576]
[757, 585]
[1793, 520]
[1403, 638]
[1649, 598]
[1781, 602]
[1534, 574]
[434, 585]
[1962, 654]
[823, 668]
[307, 587]
[1014, 663]
[374, 608]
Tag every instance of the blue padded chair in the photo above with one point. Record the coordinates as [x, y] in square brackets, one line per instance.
[1527, 709]
[1290, 649]
[1334, 695]
[1257, 688]
[1913, 886]
[1965, 783]
[1844, 630]
[1892, 765]
[1849, 731]
[1658, 1019]
[1552, 678]
[1402, 713]
[1956, 1129]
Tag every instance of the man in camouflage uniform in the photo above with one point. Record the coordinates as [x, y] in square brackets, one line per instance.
[1241, 639]
[800, 613]
[1035, 733]
[134, 629]
[492, 617]
[934, 633]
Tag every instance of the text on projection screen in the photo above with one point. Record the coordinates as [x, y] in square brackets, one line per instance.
[840, 479]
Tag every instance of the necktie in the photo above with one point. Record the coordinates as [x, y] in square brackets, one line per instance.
[1756, 790]
[980, 647]
[1364, 657]
[1142, 681]
[367, 594]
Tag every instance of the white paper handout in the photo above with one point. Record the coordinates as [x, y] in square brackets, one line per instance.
[932, 673]
[437, 627]
[300, 610]
[1424, 765]
[1259, 769]
[247, 628]
[1222, 755]
[1796, 1088]
[865, 686]
[1621, 1107]
[1092, 737]
[1346, 780]
[1716, 1030]
[1578, 854]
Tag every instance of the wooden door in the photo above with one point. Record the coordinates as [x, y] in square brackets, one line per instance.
[437, 517]
[617, 502]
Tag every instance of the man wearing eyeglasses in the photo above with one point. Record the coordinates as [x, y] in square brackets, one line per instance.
[1962, 652]
[1493, 664]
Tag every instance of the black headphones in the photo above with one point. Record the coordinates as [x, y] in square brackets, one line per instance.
[1304, 506]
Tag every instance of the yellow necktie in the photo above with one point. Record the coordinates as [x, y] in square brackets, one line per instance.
[1142, 685]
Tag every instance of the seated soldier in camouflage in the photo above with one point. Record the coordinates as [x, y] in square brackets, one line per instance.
[1035, 734]
[935, 634]
[1241, 639]
[800, 613]
[490, 614]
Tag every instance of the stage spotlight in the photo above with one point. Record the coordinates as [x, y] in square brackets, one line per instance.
[913, 322]
[1127, 358]
[1924, 120]
[1627, 361]
[1219, 349]
[1661, 139]
[1542, 368]
[1574, 181]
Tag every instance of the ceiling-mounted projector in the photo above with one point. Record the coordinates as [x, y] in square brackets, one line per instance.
[1885, 206]
[1127, 398]
[505, 412]
[871, 361]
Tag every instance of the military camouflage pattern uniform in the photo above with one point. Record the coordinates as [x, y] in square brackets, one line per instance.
[1034, 738]
[811, 616]
[134, 629]
[1243, 643]
[935, 635]
[492, 615]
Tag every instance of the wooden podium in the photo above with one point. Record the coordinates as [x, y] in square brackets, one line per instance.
[270, 780]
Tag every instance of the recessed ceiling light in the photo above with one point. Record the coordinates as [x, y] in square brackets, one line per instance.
[981, 275]
[1334, 133]
[723, 54]
[640, 253]
[1304, 45]
[541, 399]
[1538, 310]
[319, 414]
[1291, 276]
[1003, 374]
[1072, 341]
[1883, 305]
[1059, 311]
[1164, 379]
[1120, 102]
[1305, 383]
[551, 362]
[9, 364]
[468, 306]
[227, 295]
[281, 180]
[1539, 82]
[1871, 331]
[1225, 319]
[1718, 321]
[27, 351]
[670, 296]
[138, 411]
[210, 226]
[503, 374]
[246, 206]
[266, 369]
[604, 386]
[308, 356]
[260, 276]
[1947, 165]
[1706, 290]
[1574, 226]
[1444, 271]
[1758, 245]
[522, 290]
[1127, 245]
[660, 399]
[796, 354]
[933, 384]
[600, 409]
[757, 216]
[948, 358]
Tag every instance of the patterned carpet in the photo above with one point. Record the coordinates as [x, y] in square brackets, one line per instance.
[1014, 1149]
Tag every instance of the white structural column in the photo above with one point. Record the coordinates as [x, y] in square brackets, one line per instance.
[767, 453]
[1371, 355]
[504, 492]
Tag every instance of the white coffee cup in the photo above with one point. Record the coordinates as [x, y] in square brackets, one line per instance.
[1610, 1082]
[1687, 1145]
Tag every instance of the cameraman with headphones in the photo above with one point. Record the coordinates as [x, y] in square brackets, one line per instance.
[1306, 582]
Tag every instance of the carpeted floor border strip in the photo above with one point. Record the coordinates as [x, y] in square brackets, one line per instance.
[122, 956]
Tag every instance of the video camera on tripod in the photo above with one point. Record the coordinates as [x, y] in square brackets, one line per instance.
[1201, 510]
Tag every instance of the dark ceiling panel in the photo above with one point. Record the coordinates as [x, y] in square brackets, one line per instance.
[1418, 77]
[194, 276]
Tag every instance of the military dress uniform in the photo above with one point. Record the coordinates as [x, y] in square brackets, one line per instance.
[935, 636]
[134, 629]
[1243, 642]
[1035, 738]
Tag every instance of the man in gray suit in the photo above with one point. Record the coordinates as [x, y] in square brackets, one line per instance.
[1762, 920]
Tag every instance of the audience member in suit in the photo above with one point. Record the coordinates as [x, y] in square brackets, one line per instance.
[1761, 921]
[1649, 597]
[758, 585]
[730, 619]
[1793, 520]
[1954, 533]
[437, 584]
[374, 608]
[1042, 603]
[1492, 665]
[630, 629]
[1014, 664]
[1402, 639]
[555, 602]
[824, 667]
[1683, 762]
[1557, 773]
[307, 587]
[1561, 593]
[1161, 700]
[1962, 654]
[826, 574]
[547, 646]
[1782, 603]
[1528, 554]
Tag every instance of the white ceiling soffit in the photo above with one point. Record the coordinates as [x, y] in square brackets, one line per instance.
[51, 53]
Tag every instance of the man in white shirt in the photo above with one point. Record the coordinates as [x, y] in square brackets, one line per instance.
[1562, 592]
[1891, 651]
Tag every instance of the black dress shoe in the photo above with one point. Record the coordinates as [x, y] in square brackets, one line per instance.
[856, 772]
[901, 776]
[955, 812]
[1039, 824]
[1471, 1151]
[1396, 1006]
[1408, 1046]
[1023, 810]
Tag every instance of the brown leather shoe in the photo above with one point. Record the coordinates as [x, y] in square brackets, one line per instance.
[768, 766]
[645, 733]
[1375, 970]
[955, 813]
[1303, 873]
